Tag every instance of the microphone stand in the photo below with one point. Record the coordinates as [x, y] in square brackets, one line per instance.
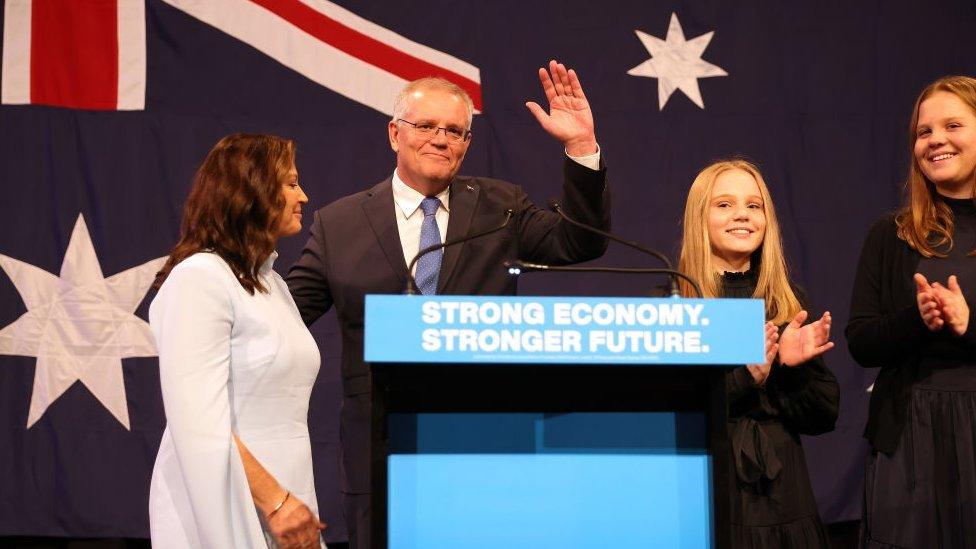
[515, 268]
[669, 268]
[412, 288]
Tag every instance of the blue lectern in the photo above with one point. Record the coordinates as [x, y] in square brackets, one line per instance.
[553, 422]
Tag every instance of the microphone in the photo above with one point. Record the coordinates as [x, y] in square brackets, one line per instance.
[516, 268]
[412, 288]
[669, 269]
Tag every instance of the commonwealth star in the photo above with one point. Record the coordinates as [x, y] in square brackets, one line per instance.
[676, 63]
[79, 325]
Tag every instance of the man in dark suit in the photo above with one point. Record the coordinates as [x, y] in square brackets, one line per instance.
[363, 243]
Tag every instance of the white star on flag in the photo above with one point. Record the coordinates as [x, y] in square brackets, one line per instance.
[676, 63]
[79, 325]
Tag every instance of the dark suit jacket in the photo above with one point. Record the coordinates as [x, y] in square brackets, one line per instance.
[355, 249]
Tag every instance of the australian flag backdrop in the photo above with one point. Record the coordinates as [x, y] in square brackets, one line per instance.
[108, 106]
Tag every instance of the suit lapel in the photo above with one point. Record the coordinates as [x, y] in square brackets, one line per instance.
[378, 207]
[464, 198]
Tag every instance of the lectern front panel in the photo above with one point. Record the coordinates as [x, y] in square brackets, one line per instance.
[594, 479]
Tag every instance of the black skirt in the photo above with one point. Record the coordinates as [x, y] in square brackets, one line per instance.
[772, 503]
[924, 494]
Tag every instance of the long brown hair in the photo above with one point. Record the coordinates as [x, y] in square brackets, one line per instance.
[925, 223]
[235, 204]
[773, 283]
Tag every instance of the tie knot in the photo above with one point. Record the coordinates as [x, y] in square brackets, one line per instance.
[429, 205]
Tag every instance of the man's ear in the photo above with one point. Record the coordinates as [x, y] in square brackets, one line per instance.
[394, 132]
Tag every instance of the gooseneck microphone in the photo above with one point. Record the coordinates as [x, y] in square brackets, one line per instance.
[412, 288]
[673, 275]
[515, 268]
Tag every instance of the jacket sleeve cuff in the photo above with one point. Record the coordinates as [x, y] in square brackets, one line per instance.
[591, 161]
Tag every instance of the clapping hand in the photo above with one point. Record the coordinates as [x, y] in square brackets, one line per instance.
[760, 372]
[800, 343]
[928, 305]
[951, 304]
[569, 119]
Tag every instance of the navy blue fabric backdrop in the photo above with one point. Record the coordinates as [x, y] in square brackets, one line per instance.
[817, 93]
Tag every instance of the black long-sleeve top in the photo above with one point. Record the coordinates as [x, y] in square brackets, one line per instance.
[804, 398]
[885, 328]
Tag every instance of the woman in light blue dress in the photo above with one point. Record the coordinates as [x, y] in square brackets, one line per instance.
[236, 362]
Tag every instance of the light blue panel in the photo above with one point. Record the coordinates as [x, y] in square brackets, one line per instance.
[498, 329]
[551, 500]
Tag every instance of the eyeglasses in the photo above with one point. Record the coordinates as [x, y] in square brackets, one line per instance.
[454, 134]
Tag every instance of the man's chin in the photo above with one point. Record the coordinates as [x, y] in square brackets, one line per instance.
[439, 177]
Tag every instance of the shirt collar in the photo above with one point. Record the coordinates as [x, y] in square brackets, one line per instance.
[268, 263]
[408, 199]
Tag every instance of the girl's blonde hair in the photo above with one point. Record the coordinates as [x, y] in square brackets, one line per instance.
[773, 283]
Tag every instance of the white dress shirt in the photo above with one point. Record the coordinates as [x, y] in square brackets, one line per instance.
[409, 220]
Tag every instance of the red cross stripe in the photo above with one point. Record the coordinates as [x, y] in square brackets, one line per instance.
[83, 54]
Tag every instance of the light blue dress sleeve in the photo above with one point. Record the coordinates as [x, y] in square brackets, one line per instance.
[199, 495]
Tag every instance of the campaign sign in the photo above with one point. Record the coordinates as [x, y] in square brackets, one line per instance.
[561, 330]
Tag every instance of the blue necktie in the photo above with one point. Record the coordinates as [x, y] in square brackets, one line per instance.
[429, 266]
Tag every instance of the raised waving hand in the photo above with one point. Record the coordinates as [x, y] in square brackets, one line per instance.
[569, 119]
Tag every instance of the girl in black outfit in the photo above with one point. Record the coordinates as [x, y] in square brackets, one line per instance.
[732, 246]
[910, 316]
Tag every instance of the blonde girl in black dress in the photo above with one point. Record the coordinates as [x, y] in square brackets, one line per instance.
[732, 246]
